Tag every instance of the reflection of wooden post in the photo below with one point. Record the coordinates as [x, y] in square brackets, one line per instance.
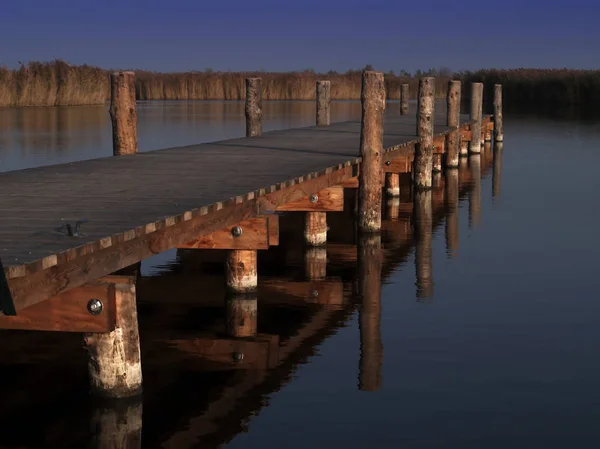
[404, 99]
[242, 314]
[437, 163]
[123, 113]
[453, 120]
[498, 121]
[315, 228]
[315, 263]
[369, 290]
[423, 249]
[424, 148]
[393, 208]
[475, 192]
[476, 114]
[452, 224]
[115, 365]
[117, 425]
[392, 184]
[241, 272]
[371, 150]
[497, 170]
[253, 108]
[323, 103]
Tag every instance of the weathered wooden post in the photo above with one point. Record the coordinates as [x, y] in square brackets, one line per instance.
[452, 224]
[498, 123]
[117, 425]
[392, 184]
[424, 148]
[369, 291]
[253, 108]
[423, 238]
[453, 121]
[323, 103]
[497, 170]
[123, 114]
[371, 151]
[436, 164]
[475, 192]
[404, 93]
[476, 115]
[115, 365]
[241, 271]
[241, 316]
[315, 228]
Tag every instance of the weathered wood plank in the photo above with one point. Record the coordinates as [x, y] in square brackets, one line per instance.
[327, 200]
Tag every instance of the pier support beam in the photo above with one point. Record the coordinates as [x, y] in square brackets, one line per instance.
[241, 271]
[498, 122]
[476, 115]
[323, 103]
[253, 107]
[404, 92]
[369, 290]
[424, 148]
[123, 114]
[242, 316]
[115, 365]
[315, 228]
[453, 120]
[436, 165]
[371, 151]
[392, 185]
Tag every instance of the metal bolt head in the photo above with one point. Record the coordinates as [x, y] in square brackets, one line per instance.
[388, 163]
[236, 231]
[95, 306]
[314, 293]
[313, 198]
[238, 357]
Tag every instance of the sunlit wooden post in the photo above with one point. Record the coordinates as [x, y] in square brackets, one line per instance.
[114, 364]
[404, 93]
[424, 148]
[315, 228]
[453, 121]
[475, 192]
[371, 151]
[323, 103]
[117, 425]
[253, 107]
[476, 115]
[423, 219]
[241, 271]
[452, 224]
[369, 291]
[241, 315]
[498, 122]
[392, 184]
[123, 113]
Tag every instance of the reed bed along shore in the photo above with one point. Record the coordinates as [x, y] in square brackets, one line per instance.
[58, 83]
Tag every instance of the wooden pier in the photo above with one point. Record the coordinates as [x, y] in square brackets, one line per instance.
[73, 234]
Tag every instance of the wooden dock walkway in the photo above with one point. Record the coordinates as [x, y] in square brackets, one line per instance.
[68, 229]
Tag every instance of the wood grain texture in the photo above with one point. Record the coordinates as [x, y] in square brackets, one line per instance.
[123, 113]
[425, 128]
[328, 200]
[323, 103]
[253, 107]
[256, 234]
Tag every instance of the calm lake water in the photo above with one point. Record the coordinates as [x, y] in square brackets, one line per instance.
[501, 350]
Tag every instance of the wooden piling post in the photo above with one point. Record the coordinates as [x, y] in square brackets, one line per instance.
[369, 290]
[315, 228]
[452, 224]
[117, 425]
[392, 185]
[404, 92]
[436, 165]
[393, 208]
[241, 271]
[423, 218]
[476, 115]
[241, 316]
[123, 114]
[253, 108]
[424, 148]
[371, 151]
[498, 123]
[453, 120]
[323, 103]
[115, 365]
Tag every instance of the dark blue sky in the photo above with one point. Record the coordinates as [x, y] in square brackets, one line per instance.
[281, 35]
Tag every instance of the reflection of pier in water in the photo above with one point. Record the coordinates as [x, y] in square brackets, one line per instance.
[207, 371]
